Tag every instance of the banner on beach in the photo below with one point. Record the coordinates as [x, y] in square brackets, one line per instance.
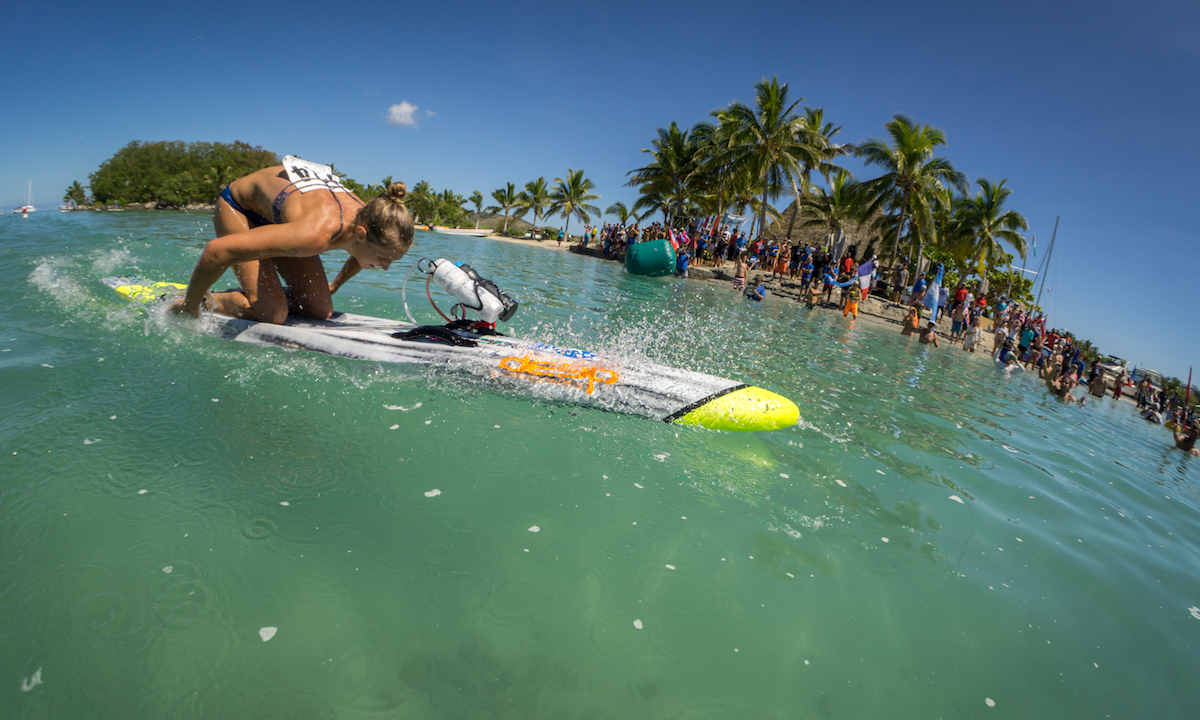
[734, 220]
[932, 294]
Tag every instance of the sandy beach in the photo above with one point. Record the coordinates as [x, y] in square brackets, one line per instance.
[546, 244]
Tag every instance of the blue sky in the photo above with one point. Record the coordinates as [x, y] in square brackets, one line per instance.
[1089, 110]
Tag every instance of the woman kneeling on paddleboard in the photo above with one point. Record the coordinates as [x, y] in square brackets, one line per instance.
[273, 225]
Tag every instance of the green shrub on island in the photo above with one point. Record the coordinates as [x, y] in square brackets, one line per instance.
[175, 174]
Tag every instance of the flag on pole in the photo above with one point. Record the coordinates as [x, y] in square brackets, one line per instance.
[864, 274]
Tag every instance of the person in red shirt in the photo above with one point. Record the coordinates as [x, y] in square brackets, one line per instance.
[961, 293]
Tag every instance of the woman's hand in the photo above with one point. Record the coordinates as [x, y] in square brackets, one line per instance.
[179, 307]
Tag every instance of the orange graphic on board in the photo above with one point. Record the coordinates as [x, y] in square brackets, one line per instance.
[584, 377]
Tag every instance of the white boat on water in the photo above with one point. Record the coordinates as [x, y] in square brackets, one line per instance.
[480, 232]
[28, 206]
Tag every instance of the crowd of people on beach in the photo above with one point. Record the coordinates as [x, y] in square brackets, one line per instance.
[1020, 337]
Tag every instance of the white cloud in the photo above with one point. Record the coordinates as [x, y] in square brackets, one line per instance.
[402, 115]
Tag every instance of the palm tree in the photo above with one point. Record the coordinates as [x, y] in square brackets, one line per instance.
[938, 222]
[815, 152]
[422, 201]
[987, 223]
[476, 199]
[764, 138]
[623, 213]
[714, 171]
[676, 164]
[450, 203]
[75, 194]
[370, 192]
[652, 201]
[836, 208]
[535, 197]
[911, 171]
[743, 196]
[571, 197]
[506, 199]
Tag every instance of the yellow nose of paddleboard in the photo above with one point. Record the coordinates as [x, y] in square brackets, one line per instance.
[745, 410]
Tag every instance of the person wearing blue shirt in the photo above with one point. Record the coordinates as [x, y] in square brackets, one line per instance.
[918, 291]
[759, 292]
[1025, 342]
[681, 264]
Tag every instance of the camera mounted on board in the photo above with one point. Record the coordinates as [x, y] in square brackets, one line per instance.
[473, 292]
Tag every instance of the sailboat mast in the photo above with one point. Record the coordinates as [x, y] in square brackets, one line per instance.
[1049, 252]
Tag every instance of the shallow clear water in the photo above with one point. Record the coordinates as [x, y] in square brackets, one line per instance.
[934, 538]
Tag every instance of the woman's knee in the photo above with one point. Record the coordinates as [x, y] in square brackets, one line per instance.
[321, 312]
[315, 305]
[273, 315]
[268, 310]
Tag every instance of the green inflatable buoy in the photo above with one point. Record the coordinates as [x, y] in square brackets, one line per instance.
[654, 258]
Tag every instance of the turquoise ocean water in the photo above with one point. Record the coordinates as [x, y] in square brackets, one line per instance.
[934, 540]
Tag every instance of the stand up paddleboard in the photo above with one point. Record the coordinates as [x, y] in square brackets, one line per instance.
[558, 374]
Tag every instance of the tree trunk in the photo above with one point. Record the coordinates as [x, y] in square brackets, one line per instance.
[799, 204]
[678, 203]
[506, 222]
[762, 210]
[899, 229]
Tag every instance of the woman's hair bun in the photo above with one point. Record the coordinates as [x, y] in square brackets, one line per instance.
[396, 191]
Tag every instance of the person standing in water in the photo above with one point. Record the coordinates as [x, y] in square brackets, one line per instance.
[1186, 440]
[911, 321]
[929, 335]
[272, 227]
[739, 278]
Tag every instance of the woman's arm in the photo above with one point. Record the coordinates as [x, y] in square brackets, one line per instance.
[349, 270]
[256, 244]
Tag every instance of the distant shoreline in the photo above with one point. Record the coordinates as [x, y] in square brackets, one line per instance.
[194, 207]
